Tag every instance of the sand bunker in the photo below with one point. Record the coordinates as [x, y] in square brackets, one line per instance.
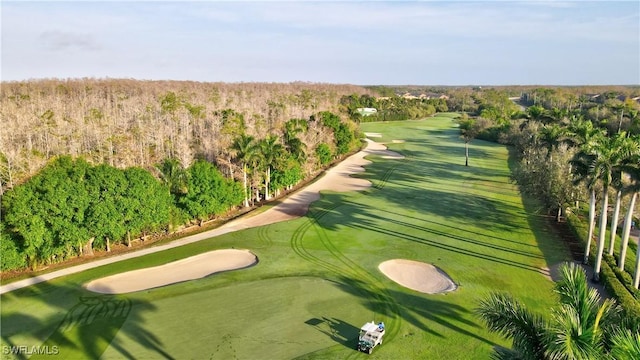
[194, 267]
[337, 178]
[417, 276]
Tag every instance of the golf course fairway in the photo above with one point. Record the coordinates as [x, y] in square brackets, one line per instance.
[317, 280]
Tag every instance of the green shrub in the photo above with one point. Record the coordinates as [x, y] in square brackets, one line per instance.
[10, 258]
[623, 277]
[618, 291]
[323, 152]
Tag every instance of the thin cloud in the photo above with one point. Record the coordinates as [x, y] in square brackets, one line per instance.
[63, 41]
[343, 41]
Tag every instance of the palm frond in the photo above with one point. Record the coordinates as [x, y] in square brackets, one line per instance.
[508, 317]
[574, 290]
[572, 338]
[626, 345]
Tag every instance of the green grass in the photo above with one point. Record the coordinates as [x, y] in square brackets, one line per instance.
[317, 280]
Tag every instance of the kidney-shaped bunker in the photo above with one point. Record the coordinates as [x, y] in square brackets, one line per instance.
[417, 276]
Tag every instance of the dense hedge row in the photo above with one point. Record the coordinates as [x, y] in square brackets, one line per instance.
[619, 287]
[70, 207]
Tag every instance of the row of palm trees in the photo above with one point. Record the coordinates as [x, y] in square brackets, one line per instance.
[254, 156]
[607, 163]
[257, 154]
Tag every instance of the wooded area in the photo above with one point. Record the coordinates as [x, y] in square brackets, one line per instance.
[91, 163]
[139, 123]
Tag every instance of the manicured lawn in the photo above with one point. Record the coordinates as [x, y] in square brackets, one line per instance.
[317, 280]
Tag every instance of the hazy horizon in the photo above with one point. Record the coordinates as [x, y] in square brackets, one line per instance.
[436, 43]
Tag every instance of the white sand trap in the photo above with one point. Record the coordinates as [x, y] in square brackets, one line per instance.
[194, 267]
[417, 276]
[373, 135]
[337, 178]
[374, 148]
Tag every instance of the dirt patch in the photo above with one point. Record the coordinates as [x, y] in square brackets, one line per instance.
[418, 276]
[194, 267]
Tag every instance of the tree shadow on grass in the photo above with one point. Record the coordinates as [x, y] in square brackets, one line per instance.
[419, 311]
[390, 224]
[83, 325]
[477, 210]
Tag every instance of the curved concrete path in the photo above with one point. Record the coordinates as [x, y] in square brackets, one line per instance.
[296, 205]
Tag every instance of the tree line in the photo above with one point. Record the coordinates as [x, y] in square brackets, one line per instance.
[71, 207]
[583, 168]
[391, 108]
[127, 123]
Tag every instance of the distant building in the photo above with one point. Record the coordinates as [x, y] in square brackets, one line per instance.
[367, 111]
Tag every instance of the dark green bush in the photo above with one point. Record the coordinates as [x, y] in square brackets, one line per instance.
[11, 258]
[618, 291]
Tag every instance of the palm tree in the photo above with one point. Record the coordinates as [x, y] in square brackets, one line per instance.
[506, 316]
[582, 133]
[584, 172]
[245, 148]
[550, 137]
[582, 327]
[633, 170]
[536, 113]
[173, 175]
[271, 152]
[606, 154]
[557, 115]
[294, 145]
[628, 148]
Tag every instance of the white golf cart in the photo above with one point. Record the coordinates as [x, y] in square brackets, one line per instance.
[370, 336]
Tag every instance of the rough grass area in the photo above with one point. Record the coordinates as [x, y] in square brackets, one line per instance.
[317, 279]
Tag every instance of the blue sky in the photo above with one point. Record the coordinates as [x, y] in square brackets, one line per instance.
[356, 42]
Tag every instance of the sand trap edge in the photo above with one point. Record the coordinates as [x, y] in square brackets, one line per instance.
[191, 268]
[417, 276]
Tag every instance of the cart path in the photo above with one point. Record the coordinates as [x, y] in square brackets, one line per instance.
[294, 206]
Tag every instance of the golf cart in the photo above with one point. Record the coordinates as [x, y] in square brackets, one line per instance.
[370, 336]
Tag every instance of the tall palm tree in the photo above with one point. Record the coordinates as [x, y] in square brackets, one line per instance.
[550, 137]
[244, 147]
[634, 188]
[584, 172]
[606, 154]
[582, 327]
[271, 152]
[581, 132]
[628, 149]
[632, 169]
